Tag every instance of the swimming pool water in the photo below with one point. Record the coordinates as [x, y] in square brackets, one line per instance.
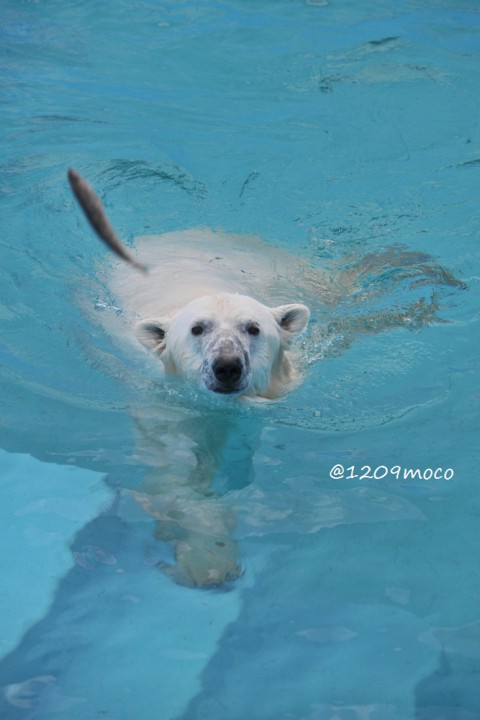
[343, 130]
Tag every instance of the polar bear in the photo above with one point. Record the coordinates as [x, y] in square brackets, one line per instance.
[202, 323]
[199, 311]
[206, 327]
[221, 312]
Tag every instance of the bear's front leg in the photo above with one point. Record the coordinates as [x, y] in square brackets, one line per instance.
[200, 528]
[204, 561]
[187, 457]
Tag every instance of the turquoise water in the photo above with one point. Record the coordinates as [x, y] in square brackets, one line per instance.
[345, 130]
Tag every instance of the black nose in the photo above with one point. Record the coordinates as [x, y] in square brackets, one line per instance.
[227, 370]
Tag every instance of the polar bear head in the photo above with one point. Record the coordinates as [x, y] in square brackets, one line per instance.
[229, 344]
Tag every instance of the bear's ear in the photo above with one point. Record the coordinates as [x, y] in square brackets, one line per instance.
[292, 319]
[152, 333]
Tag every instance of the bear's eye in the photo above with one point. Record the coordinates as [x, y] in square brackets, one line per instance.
[253, 329]
[197, 329]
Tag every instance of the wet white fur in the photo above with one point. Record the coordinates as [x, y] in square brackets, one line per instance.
[225, 283]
